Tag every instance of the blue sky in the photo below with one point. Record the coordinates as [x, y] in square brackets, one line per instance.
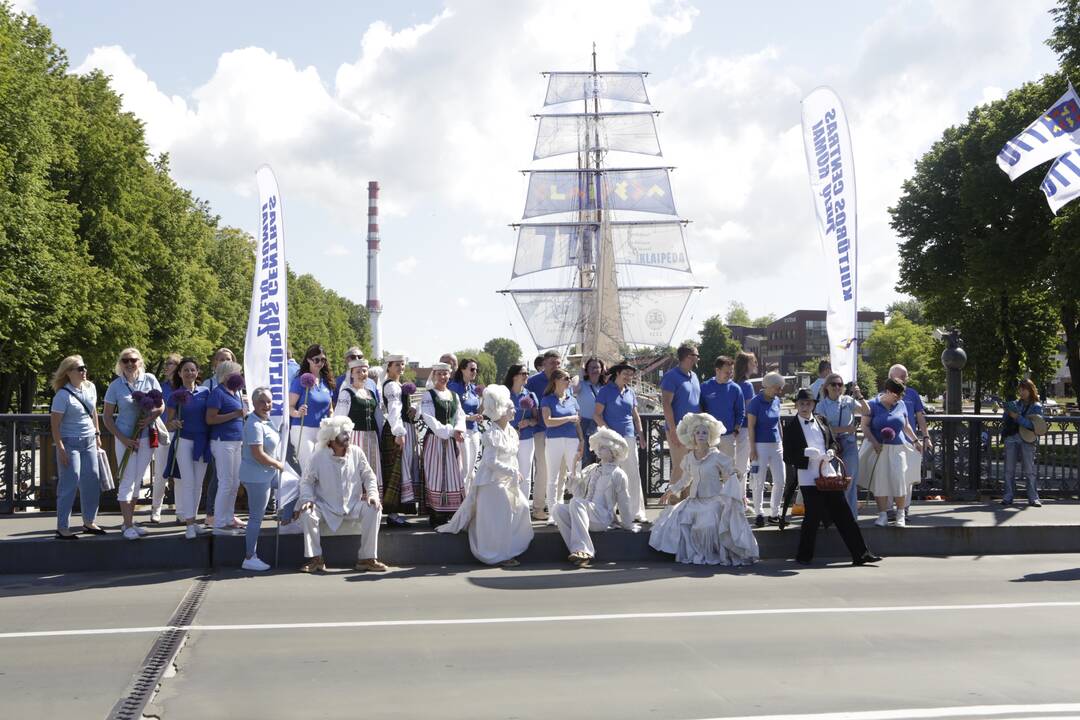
[433, 99]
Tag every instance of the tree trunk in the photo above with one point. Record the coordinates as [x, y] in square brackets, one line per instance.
[1070, 320]
[1012, 355]
[978, 392]
[7, 386]
[28, 391]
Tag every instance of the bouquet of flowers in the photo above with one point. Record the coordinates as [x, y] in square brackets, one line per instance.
[888, 434]
[527, 406]
[147, 402]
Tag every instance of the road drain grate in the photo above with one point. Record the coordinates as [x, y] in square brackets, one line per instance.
[161, 655]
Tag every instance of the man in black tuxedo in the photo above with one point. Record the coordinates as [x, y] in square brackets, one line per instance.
[806, 440]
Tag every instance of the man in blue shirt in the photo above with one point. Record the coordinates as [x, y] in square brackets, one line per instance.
[538, 384]
[723, 398]
[916, 416]
[817, 388]
[680, 394]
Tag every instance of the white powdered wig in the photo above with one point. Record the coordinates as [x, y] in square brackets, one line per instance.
[496, 401]
[331, 427]
[692, 421]
[606, 437]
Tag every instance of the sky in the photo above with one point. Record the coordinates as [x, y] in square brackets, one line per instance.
[434, 100]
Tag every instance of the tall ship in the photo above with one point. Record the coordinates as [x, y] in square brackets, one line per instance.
[601, 264]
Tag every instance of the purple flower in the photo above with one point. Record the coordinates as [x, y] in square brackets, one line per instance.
[147, 403]
[137, 396]
[234, 382]
[408, 388]
[527, 403]
[888, 434]
[479, 390]
[181, 397]
[155, 394]
[307, 381]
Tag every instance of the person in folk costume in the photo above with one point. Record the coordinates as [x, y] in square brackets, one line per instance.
[339, 495]
[448, 358]
[357, 402]
[602, 488]
[310, 406]
[464, 386]
[526, 412]
[495, 511]
[709, 526]
[444, 484]
[400, 458]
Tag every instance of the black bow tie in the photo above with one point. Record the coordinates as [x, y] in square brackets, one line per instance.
[808, 422]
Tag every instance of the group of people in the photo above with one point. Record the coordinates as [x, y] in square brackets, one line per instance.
[495, 459]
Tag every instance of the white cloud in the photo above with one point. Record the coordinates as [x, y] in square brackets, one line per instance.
[463, 302]
[406, 266]
[337, 250]
[481, 249]
[24, 6]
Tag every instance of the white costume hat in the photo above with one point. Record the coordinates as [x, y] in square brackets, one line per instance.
[395, 358]
[606, 437]
[440, 366]
[359, 362]
[496, 401]
[331, 427]
[692, 421]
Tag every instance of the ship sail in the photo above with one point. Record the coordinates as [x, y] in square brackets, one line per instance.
[597, 238]
[566, 87]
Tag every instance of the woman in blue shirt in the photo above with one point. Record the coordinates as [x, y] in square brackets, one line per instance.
[524, 421]
[842, 413]
[766, 450]
[77, 438]
[882, 457]
[308, 407]
[463, 384]
[746, 367]
[593, 376]
[131, 430]
[616, 409]
[225, 416]
[191, 436]
[162, 471]
[564, 444]
[259, 467]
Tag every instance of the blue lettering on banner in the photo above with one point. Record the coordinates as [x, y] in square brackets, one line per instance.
[270, 305]
[830, 164]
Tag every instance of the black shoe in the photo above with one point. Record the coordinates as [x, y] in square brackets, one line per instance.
[93, 531]
[867, 558]
[759, 521]
[61, 536]
[1006, 502]
[1035, 503]
[775, 520]
[396, 521]
[804, 563]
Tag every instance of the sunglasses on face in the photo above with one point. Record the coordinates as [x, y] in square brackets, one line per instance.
[81, 368]
[836, 384]
[352, 357]
[319, 360]
[129, 361]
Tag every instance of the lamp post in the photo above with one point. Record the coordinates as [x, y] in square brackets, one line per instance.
[954, 359]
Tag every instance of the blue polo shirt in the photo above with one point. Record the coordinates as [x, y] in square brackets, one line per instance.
[618, 408]
[193, 415]
[226, 402]
[914, 404]
[561, 407]
[748, 395]
[767, 427]
[470, 401]
[318, 401]
[685, 389]
[537, 384]
[520, 414]
[725, 402]
[882, 417]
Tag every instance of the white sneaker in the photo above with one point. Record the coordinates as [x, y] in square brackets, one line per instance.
[882, 519]
[255, 564]
[901, 518]
[155, 518]
[191, 533]
[131, 533]
[141, 530]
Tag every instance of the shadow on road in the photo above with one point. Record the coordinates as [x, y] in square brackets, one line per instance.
[27, 585]
[1053, 576]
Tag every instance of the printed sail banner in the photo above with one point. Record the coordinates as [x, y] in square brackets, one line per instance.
[1062, 184]
[650, 316]
[553, 317]
[558, 191]
[571, 86]
[832, 181]
[1054, 133]
[622, 131]
[544, 246]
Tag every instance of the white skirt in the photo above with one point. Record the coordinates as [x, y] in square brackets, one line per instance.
[884, 473]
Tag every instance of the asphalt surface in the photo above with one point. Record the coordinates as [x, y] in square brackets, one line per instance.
[625, 642]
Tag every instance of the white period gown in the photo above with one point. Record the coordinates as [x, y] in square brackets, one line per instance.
[709, 527]
[495, 511]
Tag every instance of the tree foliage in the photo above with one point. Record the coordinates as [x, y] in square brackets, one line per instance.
[485, 365]
[716, 340]
[506, 352]
[913, 346]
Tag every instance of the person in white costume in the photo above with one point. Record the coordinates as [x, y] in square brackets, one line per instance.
[495, 511]
[708, 526]
[602, 488]
[339, 495]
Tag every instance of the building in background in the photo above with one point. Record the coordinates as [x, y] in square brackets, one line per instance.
[801, 335]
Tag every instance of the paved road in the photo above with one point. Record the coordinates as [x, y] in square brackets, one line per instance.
[657, 641]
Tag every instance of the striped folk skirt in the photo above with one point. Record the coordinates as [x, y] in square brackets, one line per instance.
[368, 441]
[444, 485]
[401, 469]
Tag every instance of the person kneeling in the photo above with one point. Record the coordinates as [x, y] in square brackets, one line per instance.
[339, 492]
[602, 488]
[709, 526]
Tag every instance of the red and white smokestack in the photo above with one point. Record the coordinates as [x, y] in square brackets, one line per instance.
[373, 305]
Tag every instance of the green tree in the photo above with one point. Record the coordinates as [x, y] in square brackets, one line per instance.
[913, 346]
[485, 365]
[910, 307]
[506, 352]
[764, 320]
[737, 315]
[716, 340]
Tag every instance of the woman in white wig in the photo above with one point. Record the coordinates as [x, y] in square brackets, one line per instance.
[603, 487]
[709, 527]
[495, 511]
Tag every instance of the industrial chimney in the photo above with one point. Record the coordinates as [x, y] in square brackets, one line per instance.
[373, 305]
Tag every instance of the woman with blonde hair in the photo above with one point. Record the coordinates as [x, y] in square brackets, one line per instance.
[135, 397]
[77, 437]
[564, 443]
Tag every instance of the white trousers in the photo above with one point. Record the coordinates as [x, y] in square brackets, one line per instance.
[575, 519]
[771, 459]
[470, 448]
[742, 458]
[139, 460]
[303, 443]
[629, 465]
[157, 492]
[188, 488]
[525, 463]
[559, 453]
[227, 461]
[539, 494]
[367, 525]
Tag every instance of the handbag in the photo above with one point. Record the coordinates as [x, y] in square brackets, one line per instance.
[832, 483]
[105, 476]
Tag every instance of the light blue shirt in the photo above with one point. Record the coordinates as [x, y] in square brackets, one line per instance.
[258, 432]
[127, 411]
[586, 398]
[76, 422]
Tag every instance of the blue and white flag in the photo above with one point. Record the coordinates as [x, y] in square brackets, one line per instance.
[1062, 183]
[832, 182]
[1055, 133]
